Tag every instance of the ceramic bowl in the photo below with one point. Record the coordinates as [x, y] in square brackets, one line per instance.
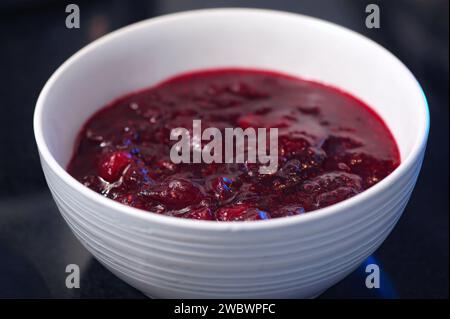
[168, 257]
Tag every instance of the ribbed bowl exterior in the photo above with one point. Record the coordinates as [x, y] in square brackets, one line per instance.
[295, 261]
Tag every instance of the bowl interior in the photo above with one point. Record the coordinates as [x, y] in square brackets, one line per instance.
[145, 53]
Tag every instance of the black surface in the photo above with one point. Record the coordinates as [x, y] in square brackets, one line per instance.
[35, 243]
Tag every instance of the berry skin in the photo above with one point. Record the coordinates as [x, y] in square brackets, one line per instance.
[135, 176]
[290, 173]
[333, 180]
[203, 213]
[111, 167]
[175, 193]
[335, 196]
[223, 188]
[292, 147]
[333, 187]
[130, 200]
[242, 212]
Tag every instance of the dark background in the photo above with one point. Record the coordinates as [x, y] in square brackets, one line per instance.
[35, 243]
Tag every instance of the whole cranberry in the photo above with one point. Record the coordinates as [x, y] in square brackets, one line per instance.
[334, 196]
[202, 213]
[175, 193]
[242, 212]
[112, 165]
[223, 187]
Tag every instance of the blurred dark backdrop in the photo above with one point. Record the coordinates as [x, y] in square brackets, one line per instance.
[35, 244]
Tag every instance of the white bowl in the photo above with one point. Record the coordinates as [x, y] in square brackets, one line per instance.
[168, 257]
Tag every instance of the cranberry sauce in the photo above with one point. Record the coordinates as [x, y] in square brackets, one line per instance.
[331, 146]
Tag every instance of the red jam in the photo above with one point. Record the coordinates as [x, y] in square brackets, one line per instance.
[331, 146]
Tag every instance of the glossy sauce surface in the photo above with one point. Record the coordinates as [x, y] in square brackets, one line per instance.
[331, 147]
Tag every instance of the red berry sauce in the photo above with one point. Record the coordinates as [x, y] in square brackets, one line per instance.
[331, 147]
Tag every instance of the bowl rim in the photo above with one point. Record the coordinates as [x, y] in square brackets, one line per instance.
[145, 216]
